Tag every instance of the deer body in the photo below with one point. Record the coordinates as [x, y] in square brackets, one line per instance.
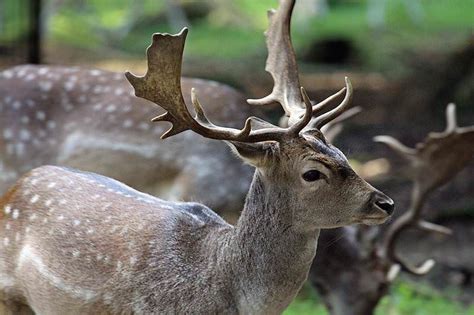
[201, 263]
[88, 119]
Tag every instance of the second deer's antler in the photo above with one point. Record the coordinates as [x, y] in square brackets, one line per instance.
[162, 85]
[282, 65]
[433, 162]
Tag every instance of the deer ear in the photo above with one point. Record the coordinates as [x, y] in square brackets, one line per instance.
[256, 154]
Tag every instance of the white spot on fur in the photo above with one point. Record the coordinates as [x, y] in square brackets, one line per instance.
[34, 199]
[33, 217]
[20, 148]
[69, 85]
[6, 241]
[7, 209]
[24, 135]
[25, 120]
[42, 71]
[127, 123]
[144, 126]
[40, 115]
[45, 86]
[7, 134]
[51, 124]
[16, 214]
[76, 222]
[16, 105]
[7, 74]
[111, 108]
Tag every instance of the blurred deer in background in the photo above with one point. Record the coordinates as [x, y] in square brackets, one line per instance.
[89, 119]
[178, 257]
[357, 288]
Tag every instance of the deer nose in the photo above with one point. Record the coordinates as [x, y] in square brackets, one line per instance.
[384, 202]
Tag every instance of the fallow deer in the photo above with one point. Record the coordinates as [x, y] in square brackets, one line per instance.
[155, 256]
[90, 120]
[357, 289]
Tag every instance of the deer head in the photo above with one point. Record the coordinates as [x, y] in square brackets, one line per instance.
[297, 159]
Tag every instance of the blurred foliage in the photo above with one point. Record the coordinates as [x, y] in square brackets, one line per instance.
[406, 298]
[233, 29]
[11, 27]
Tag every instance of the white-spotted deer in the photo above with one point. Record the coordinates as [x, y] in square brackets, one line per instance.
[356, 289]
[82, 243]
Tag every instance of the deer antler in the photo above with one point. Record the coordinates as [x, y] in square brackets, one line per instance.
[434, 163]
[281, 64]
[162, 85]
[332, 129]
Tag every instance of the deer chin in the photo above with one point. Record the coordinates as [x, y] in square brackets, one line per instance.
[374, 219]
[372, 215]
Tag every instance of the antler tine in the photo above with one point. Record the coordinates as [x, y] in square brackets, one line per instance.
[320, 121]
[397, 146]
[281, 62]
[319, 107]
[420, 270]
[451, 121]
[332, 129]
[302, 123]
[162, 85]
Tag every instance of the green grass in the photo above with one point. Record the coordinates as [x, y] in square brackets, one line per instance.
[405, 299]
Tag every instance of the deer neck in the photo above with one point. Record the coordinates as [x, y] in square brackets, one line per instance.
[270, 258]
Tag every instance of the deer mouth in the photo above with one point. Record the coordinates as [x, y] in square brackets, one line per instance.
[374, 219]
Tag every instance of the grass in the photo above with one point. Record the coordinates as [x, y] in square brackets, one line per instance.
[406, 298]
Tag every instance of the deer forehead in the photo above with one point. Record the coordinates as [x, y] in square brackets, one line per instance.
[318, 150]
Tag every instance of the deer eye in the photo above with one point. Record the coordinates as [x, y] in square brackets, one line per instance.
[312, 175]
